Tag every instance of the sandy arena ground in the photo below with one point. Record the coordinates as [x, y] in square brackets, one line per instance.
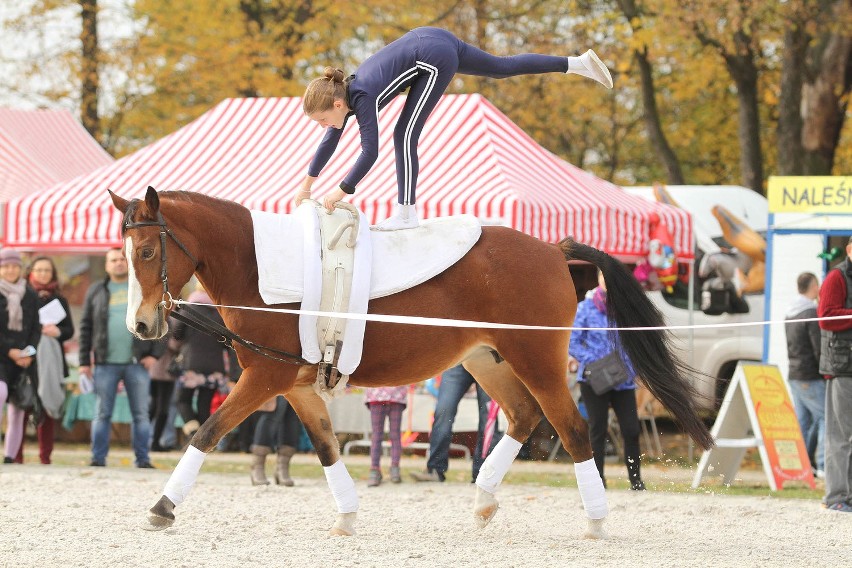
[79, 516]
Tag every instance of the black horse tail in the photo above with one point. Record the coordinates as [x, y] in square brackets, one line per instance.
[651, 351]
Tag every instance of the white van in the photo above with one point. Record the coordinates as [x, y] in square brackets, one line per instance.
[713, 351]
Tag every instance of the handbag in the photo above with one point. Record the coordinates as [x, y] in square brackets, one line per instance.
[23, 393]
[606, 373]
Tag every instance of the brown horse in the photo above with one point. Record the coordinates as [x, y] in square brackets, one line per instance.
[507, 277]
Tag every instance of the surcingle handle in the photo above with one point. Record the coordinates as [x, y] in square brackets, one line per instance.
[334, 376]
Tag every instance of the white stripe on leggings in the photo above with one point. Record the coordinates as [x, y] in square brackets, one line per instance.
[391, 89]
[408, 169]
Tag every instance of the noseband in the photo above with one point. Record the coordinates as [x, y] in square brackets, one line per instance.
[168, 300]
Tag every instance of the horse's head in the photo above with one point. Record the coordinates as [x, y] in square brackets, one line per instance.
[157, 261]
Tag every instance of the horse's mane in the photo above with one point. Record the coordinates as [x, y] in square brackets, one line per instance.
[194, 197]
[189, 197]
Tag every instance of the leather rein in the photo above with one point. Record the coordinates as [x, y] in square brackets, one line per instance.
[191, 317]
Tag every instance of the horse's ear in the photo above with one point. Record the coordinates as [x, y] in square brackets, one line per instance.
[119, 202]
[152, 200]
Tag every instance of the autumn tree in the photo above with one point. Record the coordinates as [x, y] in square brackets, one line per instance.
[634, 12]
[731, 29]
[815, 84]
[703, 92]
[89, 78]
[72, 59]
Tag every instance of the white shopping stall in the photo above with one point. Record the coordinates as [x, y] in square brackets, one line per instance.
[804, 212]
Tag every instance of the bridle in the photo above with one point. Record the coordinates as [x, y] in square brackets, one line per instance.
[167, 301]
[192, 317]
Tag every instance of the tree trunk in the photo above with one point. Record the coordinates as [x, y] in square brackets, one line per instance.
[651, 116]
[743, 70]
[748, 130]
[89, 79]
[650, 113]
[480, 8]
[824, 104]
[252, 12]
[789, 131]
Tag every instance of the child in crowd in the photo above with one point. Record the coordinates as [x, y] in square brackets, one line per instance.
[385, 402]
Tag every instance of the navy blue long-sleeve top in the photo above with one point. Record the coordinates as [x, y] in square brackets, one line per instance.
[376, 82]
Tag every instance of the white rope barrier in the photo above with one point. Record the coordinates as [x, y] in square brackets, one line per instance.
[442, 322]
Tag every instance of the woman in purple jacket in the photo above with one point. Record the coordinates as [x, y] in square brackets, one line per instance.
[588, 346]
[424, 60]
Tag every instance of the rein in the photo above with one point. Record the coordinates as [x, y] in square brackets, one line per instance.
[224, 335]
[194, 318]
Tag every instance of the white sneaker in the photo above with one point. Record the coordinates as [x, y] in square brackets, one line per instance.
[594, 69]
[405, 217]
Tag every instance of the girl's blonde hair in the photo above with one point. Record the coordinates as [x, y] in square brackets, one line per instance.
[322, 92]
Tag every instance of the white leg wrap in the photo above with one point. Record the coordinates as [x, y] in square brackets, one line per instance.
[184, 475]
[342, 487]
[497, 463]
[591, 489]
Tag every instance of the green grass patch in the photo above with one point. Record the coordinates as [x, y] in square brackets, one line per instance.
[238, 464]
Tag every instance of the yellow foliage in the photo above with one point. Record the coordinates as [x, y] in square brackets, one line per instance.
[191, 54]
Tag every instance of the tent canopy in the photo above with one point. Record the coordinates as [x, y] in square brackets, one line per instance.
[41, 148]
[473, 159]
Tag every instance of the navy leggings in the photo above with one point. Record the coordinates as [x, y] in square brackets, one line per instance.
[624, 404]
[439, 57]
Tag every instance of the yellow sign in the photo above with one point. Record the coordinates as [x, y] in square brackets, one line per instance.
[782, 437]
[757, 413]
[810, 194]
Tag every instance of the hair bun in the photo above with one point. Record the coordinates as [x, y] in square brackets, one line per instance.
[335, 75]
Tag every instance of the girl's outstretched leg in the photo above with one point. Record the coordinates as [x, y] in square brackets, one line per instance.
[474, 61]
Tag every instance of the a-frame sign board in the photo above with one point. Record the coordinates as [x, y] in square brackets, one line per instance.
[757, 413]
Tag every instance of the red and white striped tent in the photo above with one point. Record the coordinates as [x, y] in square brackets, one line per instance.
[473, 159]
[41, 148]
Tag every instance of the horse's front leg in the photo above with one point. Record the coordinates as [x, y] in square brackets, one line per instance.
[314, 415]
[253, 389]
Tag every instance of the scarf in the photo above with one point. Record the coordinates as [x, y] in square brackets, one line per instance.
[14, 293]
[44, 290]
[599, 299]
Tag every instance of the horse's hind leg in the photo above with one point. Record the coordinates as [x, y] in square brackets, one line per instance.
[249, 393]
[314, 415]
[542, 367]
[523, 413]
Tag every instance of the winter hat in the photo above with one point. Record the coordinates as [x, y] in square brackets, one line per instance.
[10, 256]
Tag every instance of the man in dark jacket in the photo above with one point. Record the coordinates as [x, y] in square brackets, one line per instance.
[806, 384]
[835, 299]
[118, 356]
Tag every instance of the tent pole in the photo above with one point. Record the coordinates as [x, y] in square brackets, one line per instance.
[691, 319]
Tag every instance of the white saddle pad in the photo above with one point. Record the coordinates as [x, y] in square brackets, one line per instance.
[401, 259]
[287, 251]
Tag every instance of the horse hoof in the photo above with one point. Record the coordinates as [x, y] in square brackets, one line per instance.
[160, 516]
[595, 530]
[155, 523]
[344, 525]
[485, 507]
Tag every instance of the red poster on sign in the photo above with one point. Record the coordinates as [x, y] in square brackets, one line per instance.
[779, 427]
